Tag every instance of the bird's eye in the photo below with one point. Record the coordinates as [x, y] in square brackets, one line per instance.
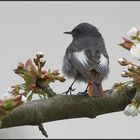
[79, 31]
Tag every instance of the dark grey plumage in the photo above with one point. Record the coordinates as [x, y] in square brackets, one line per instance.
[85, 54]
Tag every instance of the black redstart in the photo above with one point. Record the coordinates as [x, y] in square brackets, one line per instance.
[86, 59]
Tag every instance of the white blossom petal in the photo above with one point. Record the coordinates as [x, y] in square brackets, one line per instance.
[124, 74]
[138, 110]
[39, 53]
[121, 59]
[127, 111]
[133, 110]
[21, 91]
[132, 32]
[23, 98]
[135, 51]
[10, 90]
[130, 66]
[42, 60]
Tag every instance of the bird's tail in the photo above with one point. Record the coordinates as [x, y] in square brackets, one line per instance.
[95, 89]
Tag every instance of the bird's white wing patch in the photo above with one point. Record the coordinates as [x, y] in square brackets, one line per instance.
[103, 64]
[81, 57]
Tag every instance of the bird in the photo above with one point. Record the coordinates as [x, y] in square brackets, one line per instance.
[86, 59]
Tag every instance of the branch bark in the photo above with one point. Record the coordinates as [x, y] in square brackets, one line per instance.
[67, 106]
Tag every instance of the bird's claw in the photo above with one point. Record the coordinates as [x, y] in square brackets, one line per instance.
[73, 89]
[83, 93]
[69, 90]
[96, 96]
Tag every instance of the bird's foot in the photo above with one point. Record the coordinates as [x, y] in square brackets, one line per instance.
[70, 90]
[83, 93]
[96, 96]
[100, 95]
[103, 94]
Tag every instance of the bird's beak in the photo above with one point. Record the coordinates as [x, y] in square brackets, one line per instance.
[68, 32]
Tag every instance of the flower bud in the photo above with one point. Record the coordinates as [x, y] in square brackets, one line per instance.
[61, 79]
[131, 68]
[35, 61]
[127, 44]
[55, 72]
[20, 66]
[124, 74]
[33, 86]
[39, 54]
[42, 61]
[123, 61]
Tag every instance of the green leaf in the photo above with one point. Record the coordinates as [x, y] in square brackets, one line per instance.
[29, 98]
[8, 105]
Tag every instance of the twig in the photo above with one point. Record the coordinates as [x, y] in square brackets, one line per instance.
[41, 128]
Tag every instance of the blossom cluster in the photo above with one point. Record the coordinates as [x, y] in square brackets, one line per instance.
[31, 72]
[133, 71]
[9, 102]
[133, 43]
[131, 110]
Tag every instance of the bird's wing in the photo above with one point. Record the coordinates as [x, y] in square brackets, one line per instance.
[90, 58]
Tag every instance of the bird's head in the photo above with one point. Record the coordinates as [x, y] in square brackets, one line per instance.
[84, 29]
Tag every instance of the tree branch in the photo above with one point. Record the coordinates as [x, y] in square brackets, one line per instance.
[67, 106]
